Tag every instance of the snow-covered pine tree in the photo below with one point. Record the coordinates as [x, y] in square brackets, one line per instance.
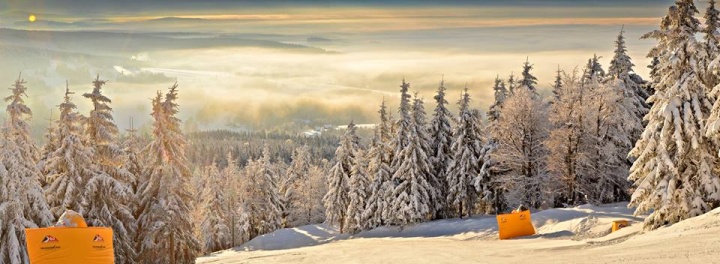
[558, 84]
[520, 133]
[621, 75]
[109, 192]
[511, 84]
[491, 169]
[22, 203]
[594, 69]
[400, 140]
[165, 228]
[216, 233]
[71, 165]
[440, 143]
[337, 198]
[501, 94]
[379, 159]
[416, 197]
[465, 165]
[528, 80]
[358, 194]
[270, 195]
[673, 168]
[290, 186]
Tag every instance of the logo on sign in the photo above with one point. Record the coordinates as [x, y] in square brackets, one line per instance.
[50, 239]
[98, 238]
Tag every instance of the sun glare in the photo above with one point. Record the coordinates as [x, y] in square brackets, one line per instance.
[32, 18]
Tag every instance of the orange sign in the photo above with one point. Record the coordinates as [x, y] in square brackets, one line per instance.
[91, 245]
[515, 224]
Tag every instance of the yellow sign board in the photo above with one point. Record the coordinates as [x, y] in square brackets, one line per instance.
[90, 245]
[515, 224]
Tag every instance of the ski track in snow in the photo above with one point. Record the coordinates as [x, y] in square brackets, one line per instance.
[573, 235]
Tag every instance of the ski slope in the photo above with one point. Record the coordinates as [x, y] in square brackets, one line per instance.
[573, 235]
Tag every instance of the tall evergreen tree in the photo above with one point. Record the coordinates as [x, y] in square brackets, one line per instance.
[337, 198]
[165, 230]
[358, 194]
[594, 69]
[215, 228]
[501, 94]
[416, 199]
[528, 80]
[491, 169]
[109, 192]
[440, 144]
[71, 165]
[380, 157]
[673, 156]
[22, 203]
[558, 84]
[290, 186]
[466, 164]
[512, 84]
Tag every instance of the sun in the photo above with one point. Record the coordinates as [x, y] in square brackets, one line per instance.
[32, 18]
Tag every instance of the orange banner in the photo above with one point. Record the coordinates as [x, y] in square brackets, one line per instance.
[515, 225]
[91, 245]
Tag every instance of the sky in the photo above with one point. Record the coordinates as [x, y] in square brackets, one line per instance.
[259, 64]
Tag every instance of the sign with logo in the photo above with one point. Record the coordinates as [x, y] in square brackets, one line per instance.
[92, 245]
[515, 224]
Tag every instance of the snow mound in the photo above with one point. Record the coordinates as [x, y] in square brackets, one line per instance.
[570, 235]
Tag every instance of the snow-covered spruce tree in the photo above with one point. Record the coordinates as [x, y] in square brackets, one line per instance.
[440, 143]
[109, 192]
[290, 186]
[528, 80]
[71, 165]
[165, 228]
[466, 163]
[216, 233]
[624, 80]
[22, 203]
[673, 169]
[557, 85]
[379, 159]
[358, 194]
[594, 69]
[337, 198]
[491, 170]
[271, 197]
[400, 140]
[416, 198]
[520, 133]
[501, 94]
[511, 84]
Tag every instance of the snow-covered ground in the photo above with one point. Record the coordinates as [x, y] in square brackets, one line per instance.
[574, 235]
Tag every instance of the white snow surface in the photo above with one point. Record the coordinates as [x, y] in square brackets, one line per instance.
[570, 235]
